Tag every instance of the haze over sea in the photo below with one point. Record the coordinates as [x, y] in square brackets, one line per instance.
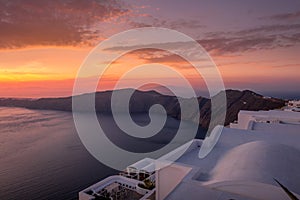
[42, 157]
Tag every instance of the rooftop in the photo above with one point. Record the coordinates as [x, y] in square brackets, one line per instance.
[244, 164]
[273, 114]
[237, 163]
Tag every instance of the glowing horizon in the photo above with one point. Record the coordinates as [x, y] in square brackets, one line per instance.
[261, 55]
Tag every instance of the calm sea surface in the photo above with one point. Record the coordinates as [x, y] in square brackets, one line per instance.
[41, 155]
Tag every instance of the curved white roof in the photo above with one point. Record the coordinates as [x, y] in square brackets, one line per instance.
[260, 161]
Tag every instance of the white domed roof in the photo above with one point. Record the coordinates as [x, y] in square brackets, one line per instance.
[260, 162]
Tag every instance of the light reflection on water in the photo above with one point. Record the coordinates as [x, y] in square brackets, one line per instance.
[41, 156]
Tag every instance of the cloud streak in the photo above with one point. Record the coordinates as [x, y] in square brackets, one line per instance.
[222, 44]
[286, 16]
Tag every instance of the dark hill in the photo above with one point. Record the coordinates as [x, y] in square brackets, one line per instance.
[141, 101]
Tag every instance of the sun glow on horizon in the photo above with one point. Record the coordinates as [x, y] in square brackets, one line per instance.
[257, 50]
[50, 71]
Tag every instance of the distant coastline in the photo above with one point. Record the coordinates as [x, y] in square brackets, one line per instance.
[141, 102]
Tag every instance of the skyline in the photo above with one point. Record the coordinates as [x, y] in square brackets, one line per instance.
[42, 44]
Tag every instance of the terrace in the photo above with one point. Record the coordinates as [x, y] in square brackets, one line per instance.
[118, 188]
[116, 191]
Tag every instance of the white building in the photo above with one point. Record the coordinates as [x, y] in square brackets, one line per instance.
[248, 120]
[295, 103]
[293, 106]
[242, 164]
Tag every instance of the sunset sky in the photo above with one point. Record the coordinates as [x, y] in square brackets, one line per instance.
[255, 43]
